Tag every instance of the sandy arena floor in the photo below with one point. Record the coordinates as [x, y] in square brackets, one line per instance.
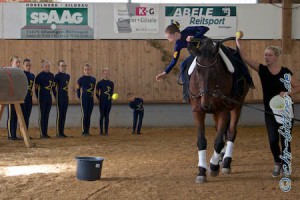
[159, 164]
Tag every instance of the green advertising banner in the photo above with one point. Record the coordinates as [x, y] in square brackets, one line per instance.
[219, 19]
[58, 21]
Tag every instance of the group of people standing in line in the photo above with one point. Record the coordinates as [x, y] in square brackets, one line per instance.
[46, 83]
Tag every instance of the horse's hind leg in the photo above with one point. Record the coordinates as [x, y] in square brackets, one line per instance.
[202, 144]
[219, 143]
[235, 114]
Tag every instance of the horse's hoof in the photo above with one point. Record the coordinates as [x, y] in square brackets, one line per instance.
[226, 171]
[227, 162]
[214, 170]
[226, 165]
[201, 179]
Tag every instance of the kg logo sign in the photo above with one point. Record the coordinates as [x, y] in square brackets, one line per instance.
[144, 11]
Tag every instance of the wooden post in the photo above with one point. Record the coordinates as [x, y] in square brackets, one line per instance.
[21, 120]
[286, 26]
[1, 111]
[23, 127]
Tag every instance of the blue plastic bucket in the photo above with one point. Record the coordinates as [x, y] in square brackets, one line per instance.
[89, 168]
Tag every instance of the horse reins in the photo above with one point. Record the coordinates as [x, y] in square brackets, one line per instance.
[246, 105]
[217, 93]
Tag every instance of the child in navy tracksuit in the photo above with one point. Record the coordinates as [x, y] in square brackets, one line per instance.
[104, 91]
[12, 118]
[43, 86]
[61, 81]
[137, 104]
[85, 92]
[27, 105]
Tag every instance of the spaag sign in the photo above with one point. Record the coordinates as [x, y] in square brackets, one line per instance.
[58, 21]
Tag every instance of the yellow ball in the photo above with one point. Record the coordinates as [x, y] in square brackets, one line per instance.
[239, 34]
[115, 96]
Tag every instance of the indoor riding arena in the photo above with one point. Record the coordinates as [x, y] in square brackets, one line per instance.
[95, 102]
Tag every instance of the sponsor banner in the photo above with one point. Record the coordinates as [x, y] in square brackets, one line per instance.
[58, 21]
[136, 18]
[1, 21]
[221, 20]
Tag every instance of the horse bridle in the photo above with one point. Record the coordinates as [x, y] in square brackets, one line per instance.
[205, 92]
[204, 66]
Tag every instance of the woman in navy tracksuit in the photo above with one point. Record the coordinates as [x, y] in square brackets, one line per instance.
[12, 118]
[85, 92]
[61, 81]
[27, 105]
[43, 87]
[104, 91]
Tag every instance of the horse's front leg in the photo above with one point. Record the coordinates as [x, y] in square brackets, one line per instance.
[223, 119]
[201, 143]
[234, 114]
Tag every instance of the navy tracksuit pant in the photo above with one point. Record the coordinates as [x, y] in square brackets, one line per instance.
[26, 109]
[61, 107]
[104, 115]
[138, 116]
[87, 105]
[12, 121]
[44, 111]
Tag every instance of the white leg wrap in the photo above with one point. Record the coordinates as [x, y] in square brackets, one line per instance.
[202, 159]
[215, 158]
[229, 149]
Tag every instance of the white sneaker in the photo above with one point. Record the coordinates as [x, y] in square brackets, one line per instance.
[277, 170]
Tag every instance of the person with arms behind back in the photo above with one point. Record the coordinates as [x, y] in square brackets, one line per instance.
[61, 81]
[43, 86]
[27, 105]
[12, 118]
[85, 93]
[104, 92]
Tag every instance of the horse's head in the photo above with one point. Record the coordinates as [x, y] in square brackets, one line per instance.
[204, 48]
[206, 74]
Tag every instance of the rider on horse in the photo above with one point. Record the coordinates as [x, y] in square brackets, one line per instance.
[182, 38]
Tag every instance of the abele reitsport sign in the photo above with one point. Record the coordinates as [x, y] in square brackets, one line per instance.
[219, 19]
[58, 21]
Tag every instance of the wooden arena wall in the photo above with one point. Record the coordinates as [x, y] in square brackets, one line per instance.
[133, 63]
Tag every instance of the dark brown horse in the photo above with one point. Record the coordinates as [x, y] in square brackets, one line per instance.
[211, 86]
